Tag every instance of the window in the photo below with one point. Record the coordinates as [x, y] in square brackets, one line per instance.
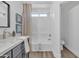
[35, 15]
[43, 15]
[39, 15]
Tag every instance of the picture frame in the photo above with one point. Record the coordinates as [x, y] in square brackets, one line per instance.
[18, 18]
[18, 28]
[4, 14]
[18, 23]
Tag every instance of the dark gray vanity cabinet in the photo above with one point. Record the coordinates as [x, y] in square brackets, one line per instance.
[16, 52]
[19, 51]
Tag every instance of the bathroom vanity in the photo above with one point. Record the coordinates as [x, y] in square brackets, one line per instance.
[12, 48]
[16, 52]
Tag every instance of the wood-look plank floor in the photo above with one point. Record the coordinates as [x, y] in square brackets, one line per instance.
[67, 54]
[47, 54]
[40, 54]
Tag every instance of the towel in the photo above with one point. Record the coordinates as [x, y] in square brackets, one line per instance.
[25, 38]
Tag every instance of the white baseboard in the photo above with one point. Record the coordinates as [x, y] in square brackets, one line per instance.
[72, 50]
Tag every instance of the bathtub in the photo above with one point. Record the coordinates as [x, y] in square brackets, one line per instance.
[41, 45]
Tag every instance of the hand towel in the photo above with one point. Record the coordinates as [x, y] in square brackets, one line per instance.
[25, 38]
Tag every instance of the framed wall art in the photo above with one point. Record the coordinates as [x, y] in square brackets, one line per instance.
[18, 18]
[18, 28]
[18, 23]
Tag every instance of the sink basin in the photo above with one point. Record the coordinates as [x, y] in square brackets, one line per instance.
[7, 41]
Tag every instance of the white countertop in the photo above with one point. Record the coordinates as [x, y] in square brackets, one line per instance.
[9, 43]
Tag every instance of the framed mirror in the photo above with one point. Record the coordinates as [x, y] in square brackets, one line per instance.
[4, 15]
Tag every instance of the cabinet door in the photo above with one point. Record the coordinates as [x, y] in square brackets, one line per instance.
[19, 55]
[16, 50]
[19, 51]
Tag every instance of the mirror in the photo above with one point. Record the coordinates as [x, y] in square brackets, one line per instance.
[4, 15]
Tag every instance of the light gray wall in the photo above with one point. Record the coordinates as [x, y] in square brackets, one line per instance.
[15, 7]
[70, 28]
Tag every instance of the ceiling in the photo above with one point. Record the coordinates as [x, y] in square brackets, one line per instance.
[37, 2]
[69, 5]
[41, 6]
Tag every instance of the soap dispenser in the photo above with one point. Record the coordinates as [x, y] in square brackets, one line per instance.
[13, 33]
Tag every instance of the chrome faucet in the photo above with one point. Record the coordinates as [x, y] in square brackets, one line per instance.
[4, 33]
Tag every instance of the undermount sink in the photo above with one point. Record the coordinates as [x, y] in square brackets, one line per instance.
[9, 41]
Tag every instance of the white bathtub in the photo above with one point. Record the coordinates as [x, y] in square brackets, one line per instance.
[41, 46]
